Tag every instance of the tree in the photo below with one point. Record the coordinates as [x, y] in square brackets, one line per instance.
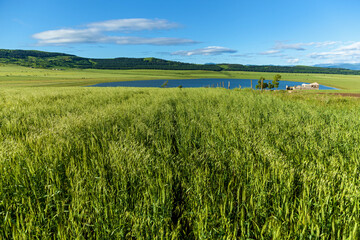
[276, 80]
[271, 86]
[261, 85]
[164, 84]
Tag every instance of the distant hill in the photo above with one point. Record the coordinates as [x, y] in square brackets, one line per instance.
[351, 66]
[40, 59]
[287, 69]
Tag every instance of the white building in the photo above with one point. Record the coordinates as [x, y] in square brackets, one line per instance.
[304, 86]
[314, 86]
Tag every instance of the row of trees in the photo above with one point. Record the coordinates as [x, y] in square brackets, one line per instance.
[287, 69]
[271, 85]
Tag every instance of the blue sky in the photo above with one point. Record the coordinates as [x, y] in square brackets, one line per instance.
[275, 32]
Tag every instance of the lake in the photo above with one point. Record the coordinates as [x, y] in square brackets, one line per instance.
[203, 82]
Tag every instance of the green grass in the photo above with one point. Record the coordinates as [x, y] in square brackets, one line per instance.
[114, 163]
[12, 75]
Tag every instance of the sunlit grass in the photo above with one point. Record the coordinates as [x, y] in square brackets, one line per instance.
[114, 163]
[12, 75]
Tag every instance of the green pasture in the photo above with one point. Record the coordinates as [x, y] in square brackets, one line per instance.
[12, 75]
[148, 163]
[116, 163]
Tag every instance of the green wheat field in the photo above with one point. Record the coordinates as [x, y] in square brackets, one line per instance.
[136, 163]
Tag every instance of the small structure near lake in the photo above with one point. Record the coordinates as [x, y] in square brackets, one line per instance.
[304, 86]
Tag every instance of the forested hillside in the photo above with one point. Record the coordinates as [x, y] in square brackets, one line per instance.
[39, 59]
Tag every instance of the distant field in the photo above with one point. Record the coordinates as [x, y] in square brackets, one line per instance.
[12, 76]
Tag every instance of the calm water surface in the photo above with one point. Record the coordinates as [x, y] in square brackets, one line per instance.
[204, 82]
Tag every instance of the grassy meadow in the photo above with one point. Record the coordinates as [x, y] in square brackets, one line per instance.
[126, 163]
[17, 76]
[146, 163]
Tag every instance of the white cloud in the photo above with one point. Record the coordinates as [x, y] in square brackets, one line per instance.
[270, 52]
[150, 41]
[351, 47]
[293, 60]
[344, 54]
[132, 24]
[244, 55]
[309, 51]
[301, 46]
[212, 50]
[95, 33]
[322, 44]
[64, 36]
[295, 46]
